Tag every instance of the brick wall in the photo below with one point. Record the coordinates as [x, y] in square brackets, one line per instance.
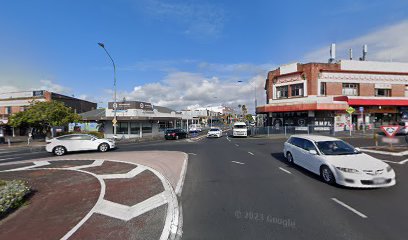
[367, 89]
[398, 90]
[311, 72]
[334, 88]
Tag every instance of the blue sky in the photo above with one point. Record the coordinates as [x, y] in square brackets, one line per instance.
[184, 53]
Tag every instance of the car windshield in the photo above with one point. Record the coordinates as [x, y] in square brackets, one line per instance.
[337, 147]
[214, 130]
[240, 126]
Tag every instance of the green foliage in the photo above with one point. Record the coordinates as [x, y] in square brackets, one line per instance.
[12, 195]
[249, 118]
[44, 115]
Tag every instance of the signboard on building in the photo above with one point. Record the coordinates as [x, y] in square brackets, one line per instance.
[131, 105]
[38, 93]
[390, 131]
[350, 110]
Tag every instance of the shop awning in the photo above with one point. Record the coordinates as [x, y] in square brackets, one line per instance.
[298, 107]
[373, 101]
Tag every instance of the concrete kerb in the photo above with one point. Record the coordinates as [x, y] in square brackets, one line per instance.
[171, 229]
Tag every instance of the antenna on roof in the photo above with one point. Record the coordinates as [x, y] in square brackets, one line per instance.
[365, 50]
[332, 58]
[351, 53]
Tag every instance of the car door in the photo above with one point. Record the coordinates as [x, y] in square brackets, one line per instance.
[312, 161]
[88, 142]
[297, 151]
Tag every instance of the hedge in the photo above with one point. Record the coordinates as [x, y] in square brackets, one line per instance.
[12, 195]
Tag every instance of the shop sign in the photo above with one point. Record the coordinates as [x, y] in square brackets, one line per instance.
[390, 131]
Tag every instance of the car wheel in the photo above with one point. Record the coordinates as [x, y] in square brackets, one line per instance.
[59, 150]
[289, 157]
[103, 147]
[327, 175]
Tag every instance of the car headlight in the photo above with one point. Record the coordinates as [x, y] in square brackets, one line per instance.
[348, 170]
[389, 168]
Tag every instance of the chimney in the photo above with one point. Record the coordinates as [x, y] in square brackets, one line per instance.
[332, 53]
[351, 53]
[365, 52]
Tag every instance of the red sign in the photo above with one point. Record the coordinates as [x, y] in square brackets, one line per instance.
[390, 131]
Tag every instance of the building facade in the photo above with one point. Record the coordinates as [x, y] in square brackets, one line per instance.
[136, 119]
[319, 93]
[14, 102]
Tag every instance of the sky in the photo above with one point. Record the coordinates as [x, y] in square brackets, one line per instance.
[185, 53]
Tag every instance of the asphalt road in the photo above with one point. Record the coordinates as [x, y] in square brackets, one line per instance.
[243, 189]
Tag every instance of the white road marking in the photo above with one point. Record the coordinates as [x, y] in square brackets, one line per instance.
[251, 153]
[401, 162]
[3, 159]
[192, 154]
[180, 183]
[349, 208]
[237, 145]
[286, 171]
[238, 162]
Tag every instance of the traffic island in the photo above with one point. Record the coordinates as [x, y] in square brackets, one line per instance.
[92, 199]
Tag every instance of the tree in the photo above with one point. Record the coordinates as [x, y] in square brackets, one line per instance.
[44, 115]
[244, 110]
[249, 118]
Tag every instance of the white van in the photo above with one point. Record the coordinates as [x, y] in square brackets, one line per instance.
[240, 129]
[195, 128]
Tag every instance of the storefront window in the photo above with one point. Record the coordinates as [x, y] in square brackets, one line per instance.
[122, 128]
[134, 128]
[297, 90]
[162, 126]
[147, 128]
[350, 89]
[383, 92]
[282, 92]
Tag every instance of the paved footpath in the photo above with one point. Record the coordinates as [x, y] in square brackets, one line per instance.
[98, 196]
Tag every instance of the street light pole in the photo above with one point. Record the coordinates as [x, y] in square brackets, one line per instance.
[115, 104]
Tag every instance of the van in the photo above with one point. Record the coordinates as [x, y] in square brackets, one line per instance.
[240, 129]
[195, 128]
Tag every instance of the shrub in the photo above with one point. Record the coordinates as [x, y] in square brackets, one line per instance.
[12, 195]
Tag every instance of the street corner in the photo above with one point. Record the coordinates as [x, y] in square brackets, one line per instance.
[91, 199]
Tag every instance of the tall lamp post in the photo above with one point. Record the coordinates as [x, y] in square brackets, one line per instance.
[115, 104]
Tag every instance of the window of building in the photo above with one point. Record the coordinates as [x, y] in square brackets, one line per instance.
[162, 126]
[323, 89]
[134, 128]
[350, 89]
[297, 90]
[8, 110]
[382, 92]
[147, 128]
[122, 128]
[406, 90]
[282, 92]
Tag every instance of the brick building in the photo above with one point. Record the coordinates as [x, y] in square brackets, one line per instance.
[319, 93]
[14, 102]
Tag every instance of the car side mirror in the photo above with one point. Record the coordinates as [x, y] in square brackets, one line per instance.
[313, 152]
[93, 139]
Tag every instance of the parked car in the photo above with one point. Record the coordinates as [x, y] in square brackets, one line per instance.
[78, 142]
[338, 162]
[175, 134]
[240, 129]
[403, 128]
[195, 128]
[214, 132]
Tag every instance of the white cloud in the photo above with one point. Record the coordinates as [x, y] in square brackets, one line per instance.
[53, 87]
[386, 44]
[186, 90]
[40, 85]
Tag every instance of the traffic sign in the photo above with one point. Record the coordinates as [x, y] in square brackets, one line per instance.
[114, 121]
[390, 131]
[115, 105]
[361, 109]
[350, 110]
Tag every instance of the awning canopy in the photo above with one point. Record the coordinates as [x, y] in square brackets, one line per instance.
[373, 101]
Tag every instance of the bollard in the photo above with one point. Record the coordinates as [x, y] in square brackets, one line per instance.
[9, 142]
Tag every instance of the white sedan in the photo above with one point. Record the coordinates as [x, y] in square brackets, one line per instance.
[78, 142]
[338, 162]
[214, 132]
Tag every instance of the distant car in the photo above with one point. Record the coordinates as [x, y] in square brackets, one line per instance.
[214, 132]
[195, 128]
[338, 162]
[175, 134]
[240, 129]
[403, 128]
[78, 142]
